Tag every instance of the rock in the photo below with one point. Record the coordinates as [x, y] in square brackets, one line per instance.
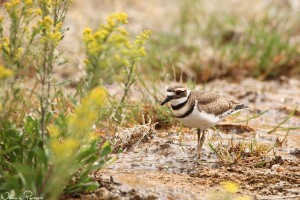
[103, 194]
[277, 168]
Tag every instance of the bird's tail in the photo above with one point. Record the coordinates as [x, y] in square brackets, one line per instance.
[241, 107]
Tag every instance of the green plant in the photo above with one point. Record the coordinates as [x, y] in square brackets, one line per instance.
[37, 161]
[110, 56]
[62, 161]
[75, 147]
[28, 49]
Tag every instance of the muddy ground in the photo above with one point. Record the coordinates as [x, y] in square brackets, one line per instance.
[162, 165]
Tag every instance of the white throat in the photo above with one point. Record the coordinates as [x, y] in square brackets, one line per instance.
[175, 102]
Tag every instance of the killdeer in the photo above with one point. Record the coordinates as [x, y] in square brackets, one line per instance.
[200, 109]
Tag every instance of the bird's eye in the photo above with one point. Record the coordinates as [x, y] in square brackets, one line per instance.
[178, 92]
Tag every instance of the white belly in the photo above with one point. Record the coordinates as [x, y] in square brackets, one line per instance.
[200, 120]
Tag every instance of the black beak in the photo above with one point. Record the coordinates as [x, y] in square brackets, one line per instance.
[167, 99]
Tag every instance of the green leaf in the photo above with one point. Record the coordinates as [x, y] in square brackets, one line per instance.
[90, 151]
[106, 149]
[91, 186]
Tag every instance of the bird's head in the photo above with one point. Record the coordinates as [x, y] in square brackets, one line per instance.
[176, 95]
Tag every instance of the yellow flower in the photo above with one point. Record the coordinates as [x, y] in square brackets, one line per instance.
[92, 135]
[94, 48]
[5, 44]
[55, 36]
[101, 34]
[122, 31]
[86, 62]
[65, 148]
[53, 131]
[48, 20]
[140, 39]
[71, 144]
[58, 25]
[4, 73]
[84, 116]
[116, 18]
[128, 45]
[15, 2]
[38, 12]
[8, 6]
[121, 17]
[98, 95]
[111, 22]
[87, 31]
[230, 187]
[28, 2]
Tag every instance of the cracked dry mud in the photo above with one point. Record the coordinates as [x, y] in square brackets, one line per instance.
[162, 167]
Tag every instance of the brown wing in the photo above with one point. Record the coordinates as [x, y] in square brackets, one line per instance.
[214, 103]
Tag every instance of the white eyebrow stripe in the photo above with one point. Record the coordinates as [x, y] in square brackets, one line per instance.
[181, 89]
[170, 93]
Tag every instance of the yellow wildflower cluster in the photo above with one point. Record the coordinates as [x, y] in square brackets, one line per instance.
[230, 187]
[16, 7]
[65, 148]
[140, 39]
[233, 188]
[95, 42]
[108, 49]
[12, 4]
[52, 32]
[136, 51]
[5, 45]
[79, 125]
[4, 72]
[28, 2]
[21, 13]
[115, 19]
[13, 7]
[53, 131]
[33, 12]
[86, 113]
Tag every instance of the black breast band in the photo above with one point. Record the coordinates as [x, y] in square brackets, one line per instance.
[189, 111]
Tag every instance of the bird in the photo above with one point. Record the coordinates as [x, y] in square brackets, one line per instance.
[200, 109]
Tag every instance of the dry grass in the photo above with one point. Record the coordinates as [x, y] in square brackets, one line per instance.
[240, 151]
[127, 138]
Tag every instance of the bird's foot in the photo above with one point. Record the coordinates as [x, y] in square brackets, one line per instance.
[198, 155]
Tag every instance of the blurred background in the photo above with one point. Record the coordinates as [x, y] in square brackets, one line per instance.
[199, 40]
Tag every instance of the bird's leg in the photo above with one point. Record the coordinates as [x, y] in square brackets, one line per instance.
[202, 140]
[198, 143]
